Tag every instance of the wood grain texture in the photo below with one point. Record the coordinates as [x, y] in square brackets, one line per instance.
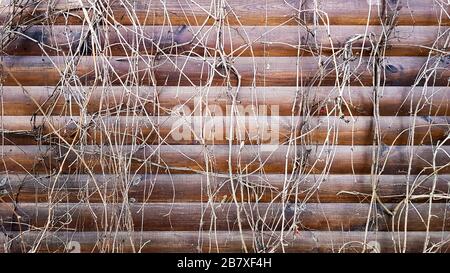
[246, 159]
[357, 101]
[188, 241]
[270, 41]
[224, 216]
[197, 188]
[274, 12]
[189, 71]
[254, 12]
[128, 191]
[258, 129]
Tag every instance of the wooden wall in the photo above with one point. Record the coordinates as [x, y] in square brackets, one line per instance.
[356, 92]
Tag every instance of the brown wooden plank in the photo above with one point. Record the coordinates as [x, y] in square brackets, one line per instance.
[254, 12]
[188, 71]
[237, 41]
[248, 158]
[28, 12]
[196, 187]
[188, 241]
[224, 216]
[23, 130]
[357, 101]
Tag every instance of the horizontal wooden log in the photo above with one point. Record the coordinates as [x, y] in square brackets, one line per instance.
[188, 241]
[224, 216]
[197, 188]
[188, 71]
[23, 130]
[215, 158]
[252, 12]
[284, 101]
[31, 12]
[237, 41]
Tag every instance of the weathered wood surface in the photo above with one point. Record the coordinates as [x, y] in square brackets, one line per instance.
[188, 71]
[253, 12]
[224, 216]
[161, 190]
[220, 241]
[197, 188]
[237, 41]
[177, 130]
[339, 159]
[357, 101]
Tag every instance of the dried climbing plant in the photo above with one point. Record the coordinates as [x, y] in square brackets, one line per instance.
[111, 156]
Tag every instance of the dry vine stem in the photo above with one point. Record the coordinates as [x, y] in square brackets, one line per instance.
[100, 133]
